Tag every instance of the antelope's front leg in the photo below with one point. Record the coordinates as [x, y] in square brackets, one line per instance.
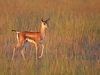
[36, 45]
[42, 51]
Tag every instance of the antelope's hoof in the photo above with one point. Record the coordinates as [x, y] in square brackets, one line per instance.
[40, 57]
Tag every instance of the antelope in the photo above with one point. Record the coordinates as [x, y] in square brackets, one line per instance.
[37, 38]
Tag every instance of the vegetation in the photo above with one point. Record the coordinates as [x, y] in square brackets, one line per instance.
[72, 42]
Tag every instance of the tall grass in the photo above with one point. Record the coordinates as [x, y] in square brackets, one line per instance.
[72, 42]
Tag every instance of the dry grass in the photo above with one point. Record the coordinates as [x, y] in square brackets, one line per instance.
[72, 43]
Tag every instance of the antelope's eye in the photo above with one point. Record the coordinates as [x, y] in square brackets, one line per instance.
[44, 23]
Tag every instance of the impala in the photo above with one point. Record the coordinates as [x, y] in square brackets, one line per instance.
[34, 37]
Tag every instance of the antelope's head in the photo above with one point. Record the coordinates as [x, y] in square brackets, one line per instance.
[45, 23]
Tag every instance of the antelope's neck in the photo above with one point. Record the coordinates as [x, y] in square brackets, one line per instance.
[42, 31]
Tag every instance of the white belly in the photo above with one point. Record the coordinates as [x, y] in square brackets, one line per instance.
[29, 40]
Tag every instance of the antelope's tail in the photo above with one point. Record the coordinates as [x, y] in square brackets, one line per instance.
[15, 31]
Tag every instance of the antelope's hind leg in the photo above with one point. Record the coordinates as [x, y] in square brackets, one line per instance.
[22, 48]
[15, 48]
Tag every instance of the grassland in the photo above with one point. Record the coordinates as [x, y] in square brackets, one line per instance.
[72, 42]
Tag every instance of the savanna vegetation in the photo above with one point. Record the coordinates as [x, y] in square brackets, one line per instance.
[72, 41]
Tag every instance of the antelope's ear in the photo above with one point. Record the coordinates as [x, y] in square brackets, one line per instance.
[42, 20]
[47, 20]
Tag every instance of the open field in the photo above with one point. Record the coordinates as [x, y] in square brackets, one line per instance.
[72, 42]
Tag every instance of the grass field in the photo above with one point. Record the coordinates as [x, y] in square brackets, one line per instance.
[72, 42]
